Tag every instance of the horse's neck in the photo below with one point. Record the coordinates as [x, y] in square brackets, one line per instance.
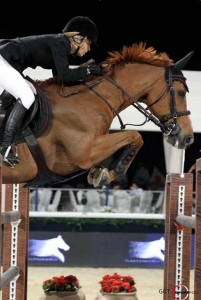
[133, 82]
[111, 93]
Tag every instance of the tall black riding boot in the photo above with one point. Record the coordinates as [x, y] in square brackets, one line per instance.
[12, 127]
[6, 99]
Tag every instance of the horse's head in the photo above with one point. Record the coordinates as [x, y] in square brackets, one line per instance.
[61, 244]
[171, 106]
[154, 79]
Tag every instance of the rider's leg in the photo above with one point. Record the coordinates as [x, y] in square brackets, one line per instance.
[11, 130]
[12, 81]
[6, 99]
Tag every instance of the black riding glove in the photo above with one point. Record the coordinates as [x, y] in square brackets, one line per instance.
[94, 69]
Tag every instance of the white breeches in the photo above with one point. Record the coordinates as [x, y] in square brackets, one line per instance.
[14, 83]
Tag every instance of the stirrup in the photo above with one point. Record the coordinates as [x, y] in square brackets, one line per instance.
[14, 154]
[10, 158]
[8, 162]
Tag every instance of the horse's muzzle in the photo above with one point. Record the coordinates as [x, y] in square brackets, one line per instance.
[179, 141]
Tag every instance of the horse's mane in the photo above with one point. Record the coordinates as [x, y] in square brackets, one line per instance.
[138, 53]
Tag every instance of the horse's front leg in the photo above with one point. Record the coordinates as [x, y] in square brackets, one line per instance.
[106, 146]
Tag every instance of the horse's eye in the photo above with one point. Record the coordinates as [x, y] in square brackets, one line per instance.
[182, 94]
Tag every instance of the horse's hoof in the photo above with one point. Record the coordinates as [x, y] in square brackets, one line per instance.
[101, 178]
[91, 175]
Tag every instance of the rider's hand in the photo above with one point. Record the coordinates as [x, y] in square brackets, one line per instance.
[94, 69]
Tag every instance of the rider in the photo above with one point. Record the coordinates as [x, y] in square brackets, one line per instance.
[49, 51]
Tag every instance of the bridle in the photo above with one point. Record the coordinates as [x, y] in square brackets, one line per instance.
[171, 74]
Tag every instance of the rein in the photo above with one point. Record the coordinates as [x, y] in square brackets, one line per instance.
[148, 115]
[90, 86]
[110, 106]
[81, 89]
[166, 128]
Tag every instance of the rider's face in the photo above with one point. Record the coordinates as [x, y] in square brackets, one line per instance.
[85, 46]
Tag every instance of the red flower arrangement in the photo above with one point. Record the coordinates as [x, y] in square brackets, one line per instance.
[117, 284]
[61, 284]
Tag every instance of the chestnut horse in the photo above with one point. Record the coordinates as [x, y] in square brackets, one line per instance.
[78, 137]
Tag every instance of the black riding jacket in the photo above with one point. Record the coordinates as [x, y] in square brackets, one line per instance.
[49, 51]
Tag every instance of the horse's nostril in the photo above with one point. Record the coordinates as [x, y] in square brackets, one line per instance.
[189, 140]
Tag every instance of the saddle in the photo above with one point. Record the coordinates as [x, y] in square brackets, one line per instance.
[38, 117]
[38, 120]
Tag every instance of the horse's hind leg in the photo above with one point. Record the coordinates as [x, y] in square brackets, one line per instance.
[118, 166]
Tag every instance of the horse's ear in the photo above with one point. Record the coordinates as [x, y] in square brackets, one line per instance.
[182, 62]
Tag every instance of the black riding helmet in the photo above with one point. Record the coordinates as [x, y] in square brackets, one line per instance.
[83, 25]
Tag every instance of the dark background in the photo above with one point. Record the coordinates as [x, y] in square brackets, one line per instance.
[170, 26]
